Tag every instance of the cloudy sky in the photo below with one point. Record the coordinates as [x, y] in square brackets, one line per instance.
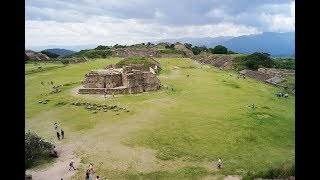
[110, 22]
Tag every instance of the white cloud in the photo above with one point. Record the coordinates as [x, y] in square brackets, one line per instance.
[280, 22]
[109, 31]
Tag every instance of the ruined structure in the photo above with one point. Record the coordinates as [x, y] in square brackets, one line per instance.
[129, 79]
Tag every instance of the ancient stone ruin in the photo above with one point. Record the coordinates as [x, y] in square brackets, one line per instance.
[129, 79]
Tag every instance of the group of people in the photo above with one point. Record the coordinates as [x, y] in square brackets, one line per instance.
[91, 171]
[252, 106]
[279, 94]
[58, 134]
[51, 82]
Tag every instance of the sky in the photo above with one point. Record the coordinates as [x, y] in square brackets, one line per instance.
[109, 22]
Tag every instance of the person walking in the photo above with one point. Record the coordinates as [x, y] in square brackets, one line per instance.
[88, 176]
[252, 106]
[55, 126]
[62, 134]
[91, 167]
[71, 165]
[58, 135]
[219, 163]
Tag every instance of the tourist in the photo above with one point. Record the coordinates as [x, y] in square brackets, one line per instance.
[252, 105]
[62, 134]
[88, 176]
[219, 163]
[58, 135]
[71, 165]
[91, 167]
[55, 126]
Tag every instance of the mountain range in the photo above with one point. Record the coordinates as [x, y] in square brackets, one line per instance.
[276, 44]
[60, 52]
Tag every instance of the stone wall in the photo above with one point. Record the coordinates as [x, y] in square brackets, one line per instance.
[127, 52]
[169, 55]
[96, 79]
[91, 91]
[120, 81]
[277, 72]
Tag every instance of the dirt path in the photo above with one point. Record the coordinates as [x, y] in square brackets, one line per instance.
[60, 169]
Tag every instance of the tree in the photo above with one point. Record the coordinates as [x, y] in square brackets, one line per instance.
[34, 148]
[50, 54]
[65, 61]
[172, 46]
[100, 47]
[219, 49]
[150, 44]
[262, 59]
[188, 45]
[231, 52]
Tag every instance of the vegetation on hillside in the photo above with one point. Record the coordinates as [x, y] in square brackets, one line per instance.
[50, 54]
[260, 59]
[219, 49]
[92, 53]
[36, 149]
[284, 63]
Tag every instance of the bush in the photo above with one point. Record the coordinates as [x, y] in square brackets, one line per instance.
[284, 63]
[65, 62]
[34, 148]
[219, 50]
[197, 50]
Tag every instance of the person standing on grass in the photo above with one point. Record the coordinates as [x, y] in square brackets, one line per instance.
[55, 126]
[71, 165]
[91, 167]
[62, 134]
[252, 106]
[58, 135]
[88, 176]
[219, 163]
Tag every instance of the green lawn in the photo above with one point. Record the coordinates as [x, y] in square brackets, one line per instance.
[168, 134]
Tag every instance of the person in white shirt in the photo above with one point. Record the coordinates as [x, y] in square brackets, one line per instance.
[219, 163]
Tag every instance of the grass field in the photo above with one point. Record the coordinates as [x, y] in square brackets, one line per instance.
[168, 134]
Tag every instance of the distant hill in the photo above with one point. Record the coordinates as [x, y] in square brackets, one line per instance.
[276, 44]
[76, 48]
[206, 41]
[61, 52]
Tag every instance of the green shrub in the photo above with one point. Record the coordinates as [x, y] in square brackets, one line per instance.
[35, 147]
[219, 49]
[65, 62]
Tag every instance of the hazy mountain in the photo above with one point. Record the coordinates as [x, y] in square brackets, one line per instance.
[61, 52]
[76, 48]
[206, 41]
[276, 44]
